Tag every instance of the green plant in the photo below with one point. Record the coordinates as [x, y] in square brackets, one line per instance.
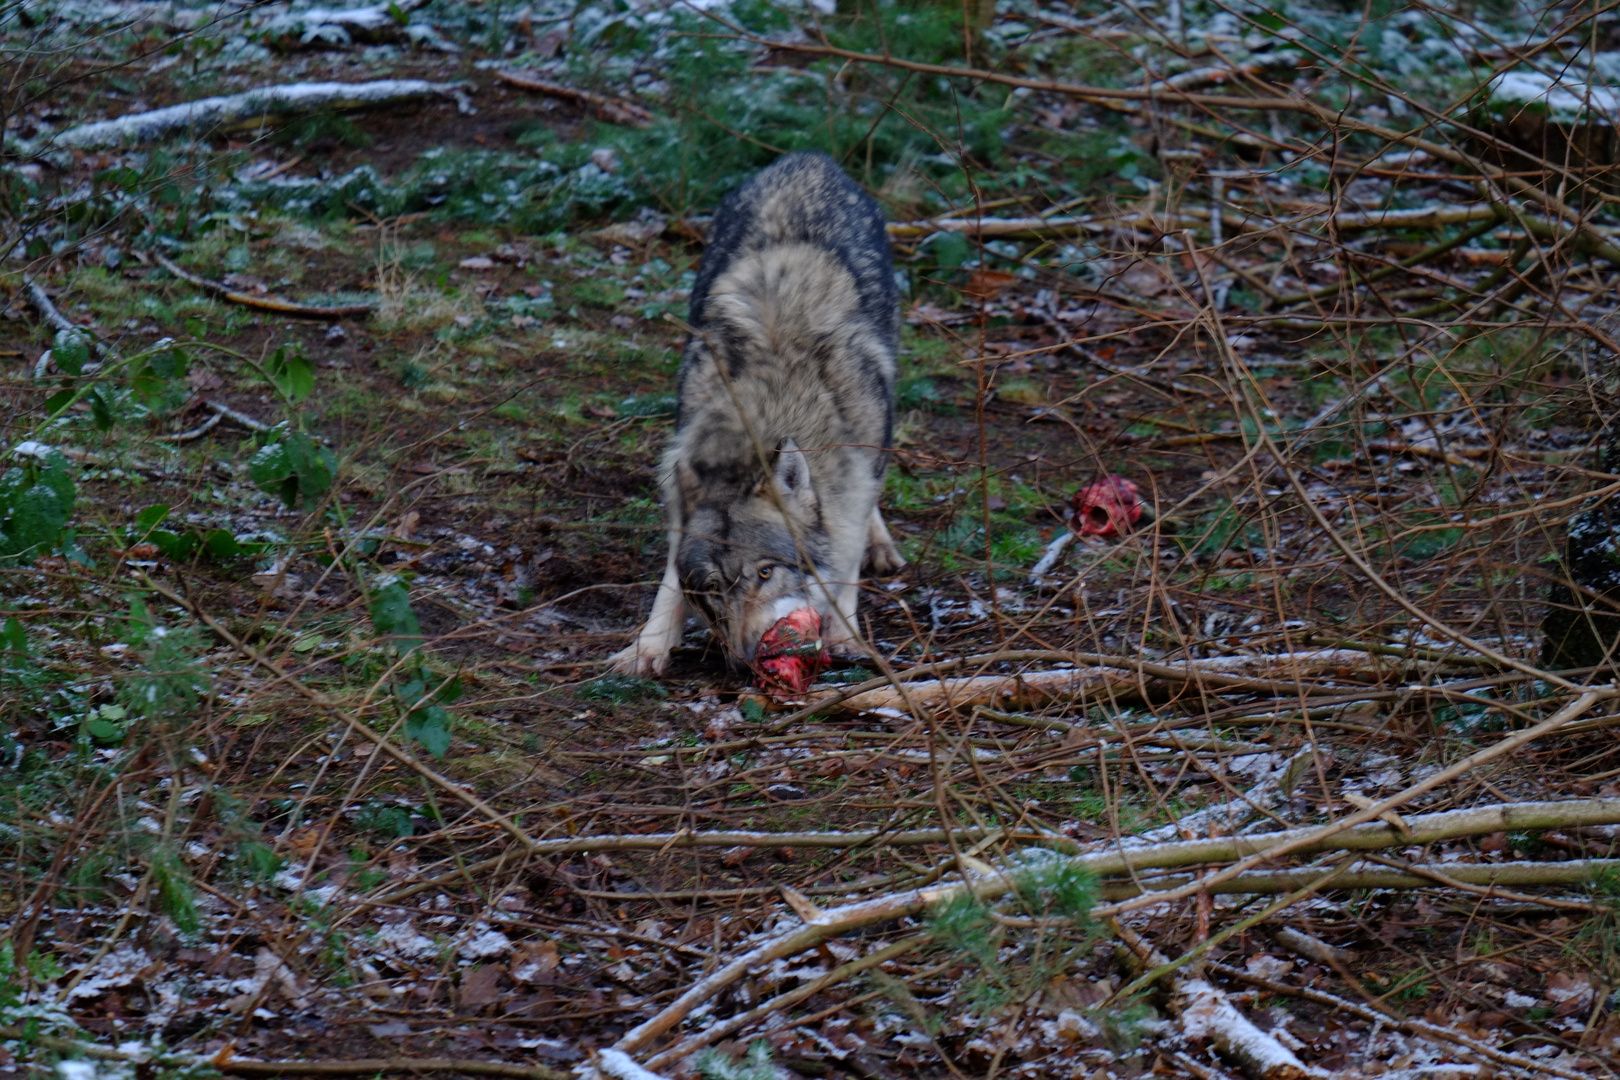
[755, 1064]
[420, 696]
[36, 503]
[621, 689]
[1010, 961]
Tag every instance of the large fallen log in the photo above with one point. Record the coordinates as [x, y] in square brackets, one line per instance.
[1027, 689]
[249, 109]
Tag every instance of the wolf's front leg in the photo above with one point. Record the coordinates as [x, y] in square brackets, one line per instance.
[649, 653]
[883, 559]
[840, 633]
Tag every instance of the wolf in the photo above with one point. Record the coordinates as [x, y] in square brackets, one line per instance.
[785, 417]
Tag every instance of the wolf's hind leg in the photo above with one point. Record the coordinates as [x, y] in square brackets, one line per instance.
[882, 557]
[649, 653]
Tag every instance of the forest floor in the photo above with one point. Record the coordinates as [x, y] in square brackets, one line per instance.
[309, 750]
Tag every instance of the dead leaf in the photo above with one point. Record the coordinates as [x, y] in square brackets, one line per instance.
[1145, 279]
[481, 986]
[533, 961]
[405, 528]
[988, 284]
[303, 841]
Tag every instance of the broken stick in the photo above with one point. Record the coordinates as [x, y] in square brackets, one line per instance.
[263, 303]
[612, 110]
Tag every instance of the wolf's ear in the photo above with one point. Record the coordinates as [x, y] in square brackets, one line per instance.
[792, 475]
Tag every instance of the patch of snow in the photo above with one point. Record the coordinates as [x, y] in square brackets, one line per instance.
[121, 967]
[403, 941]
[490, 943]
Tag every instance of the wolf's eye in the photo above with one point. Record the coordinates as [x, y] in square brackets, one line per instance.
[765, 572]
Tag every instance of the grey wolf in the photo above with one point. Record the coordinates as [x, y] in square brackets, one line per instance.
[785, 417]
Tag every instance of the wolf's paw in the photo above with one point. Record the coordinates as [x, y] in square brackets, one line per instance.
[635, 660]
[882, 560]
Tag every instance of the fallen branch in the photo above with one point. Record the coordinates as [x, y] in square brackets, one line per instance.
[1207, 1013]
[241, 419]
[263, 303]
[1111, 677]
[613, 110]
[840, 840]
[786, 1000]
[1221, 74]
[622, 1066]
[234, 1066]
[1419, 876]
[372, 1066]
[252, 108]
[1421, 1028]
[48, 311]
[833, 922]
[194, 433]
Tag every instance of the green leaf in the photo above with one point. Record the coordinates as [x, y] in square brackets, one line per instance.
[291, 372]
[100, 410]
[58, 401]
[307, 642]
[392, 616]
[399, 16]
[151, 518]
[952, 249]
[13, 643]
[37, 519]
[176, 547]
[54, 475]
[270, 466]
[140, 622]
[430, 726]
[71, 350]
[102, 731]
[221, 545]
[170, 364]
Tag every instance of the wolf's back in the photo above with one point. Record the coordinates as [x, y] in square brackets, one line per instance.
[805, 198]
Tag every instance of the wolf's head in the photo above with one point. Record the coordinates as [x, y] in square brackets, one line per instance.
[751, 555]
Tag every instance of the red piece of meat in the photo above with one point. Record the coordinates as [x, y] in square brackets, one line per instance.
[1106, 508]
[790, 655]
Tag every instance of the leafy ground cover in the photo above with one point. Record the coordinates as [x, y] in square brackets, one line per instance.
[306, 743]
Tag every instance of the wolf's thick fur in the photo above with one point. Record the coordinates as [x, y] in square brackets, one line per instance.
[772, 478]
